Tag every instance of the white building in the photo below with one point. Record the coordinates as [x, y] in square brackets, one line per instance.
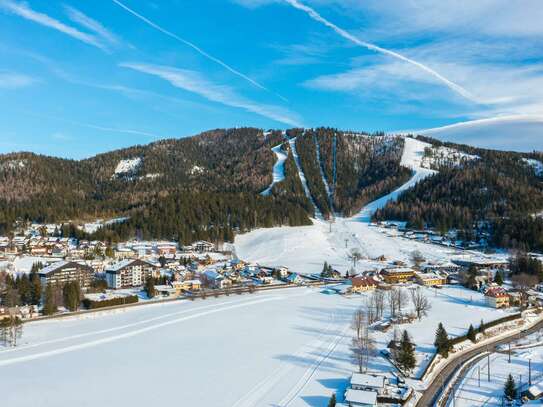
[129, 273]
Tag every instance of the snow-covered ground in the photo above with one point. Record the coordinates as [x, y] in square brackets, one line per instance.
[278, 168]
[128, 166]
[535, 164]
[489, 393]
[304, 249]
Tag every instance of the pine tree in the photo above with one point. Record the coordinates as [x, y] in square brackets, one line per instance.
[36, 288]
[405, 356]
[471, 335]
[498, 278]
[72, 295]
[510, 388]
[150, 287]
[442, 341]
[49, 306]
[332, 402]
[481, 328]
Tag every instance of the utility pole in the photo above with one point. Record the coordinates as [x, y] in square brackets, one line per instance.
[488, 366]
[509, 352]
[479, 368]
[529, 372]
[346, 241]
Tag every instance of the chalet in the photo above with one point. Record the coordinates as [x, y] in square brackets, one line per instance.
[497, 297]
[63, 272]
[214, 279]
[397, 275]
[361, 284]
[187, 285]
[201, 246]
[360, 398]
[281, 271]
[430, 279]
[130, 273]
[293, 278]
[363, 381]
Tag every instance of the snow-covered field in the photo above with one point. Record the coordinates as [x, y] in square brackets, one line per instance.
[489, 393]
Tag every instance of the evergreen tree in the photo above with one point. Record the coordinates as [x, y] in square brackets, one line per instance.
[498, 278]
[150, 287]
[72, 295]
[332, 402]
[49, 305]
[36, 288]
[510, 388]
[405, 355]
[442, 341]
[481, 328]
[471, 335]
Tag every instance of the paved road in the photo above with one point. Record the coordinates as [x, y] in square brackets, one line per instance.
[431, 394]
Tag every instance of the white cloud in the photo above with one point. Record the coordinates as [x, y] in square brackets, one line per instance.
[193, 82]
[92, 25]
[24, 11]
[196, 48]
[13, 80]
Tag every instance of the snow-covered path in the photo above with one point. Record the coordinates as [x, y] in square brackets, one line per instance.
[278, 169]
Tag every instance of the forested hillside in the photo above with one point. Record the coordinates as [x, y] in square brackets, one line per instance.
[501, 190]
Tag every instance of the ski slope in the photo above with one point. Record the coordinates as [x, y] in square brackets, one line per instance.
[278, 169]
[304, 249]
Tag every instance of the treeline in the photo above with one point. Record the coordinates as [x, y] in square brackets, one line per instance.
[91, 304]
[367, 167]
[307, 151]
[186, 216]
[499, 191]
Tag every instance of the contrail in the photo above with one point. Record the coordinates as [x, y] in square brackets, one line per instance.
[196, 48]
[317, 17]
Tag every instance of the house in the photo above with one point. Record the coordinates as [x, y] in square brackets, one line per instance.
[214, 279]
[129, 273]
[397, 275]
[294, 278]
[201, 246]
[281, 271]
[362, 284]
[360, 398]
[430, 279]
[63, 272]
[187, 285]
[497, 297]
[369, 382]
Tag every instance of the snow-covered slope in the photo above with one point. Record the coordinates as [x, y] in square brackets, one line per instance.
[128, 166]
[535, 164]
[278, 168]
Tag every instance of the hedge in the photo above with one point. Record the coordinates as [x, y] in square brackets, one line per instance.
[90, 304]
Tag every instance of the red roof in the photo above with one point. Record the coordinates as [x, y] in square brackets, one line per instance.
[496, 292]
[363, 282]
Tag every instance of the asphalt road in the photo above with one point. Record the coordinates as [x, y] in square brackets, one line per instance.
[431, 395]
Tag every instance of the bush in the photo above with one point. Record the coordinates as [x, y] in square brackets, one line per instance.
[90, 304]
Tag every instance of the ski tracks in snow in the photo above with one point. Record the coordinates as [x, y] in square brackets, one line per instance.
[220, 307]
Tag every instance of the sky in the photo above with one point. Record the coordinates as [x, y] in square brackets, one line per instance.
[78, 78]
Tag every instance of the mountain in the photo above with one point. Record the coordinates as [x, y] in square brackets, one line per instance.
[210, 186]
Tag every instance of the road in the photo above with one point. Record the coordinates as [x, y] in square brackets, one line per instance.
[431, 394]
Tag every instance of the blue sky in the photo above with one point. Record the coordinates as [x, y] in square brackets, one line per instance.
[78, 77]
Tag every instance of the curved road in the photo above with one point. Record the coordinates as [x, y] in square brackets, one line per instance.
[431, 395]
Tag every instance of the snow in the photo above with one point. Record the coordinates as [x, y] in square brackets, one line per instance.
[24, 264]
[469, 393]
[292, 143]
[446, 156]
[535, 164]
[197, 170]
[278, 168]
[128, 166]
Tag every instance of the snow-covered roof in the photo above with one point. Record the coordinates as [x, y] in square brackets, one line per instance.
[127, 263]
[367, 380]
[60, 264]
[362, 397]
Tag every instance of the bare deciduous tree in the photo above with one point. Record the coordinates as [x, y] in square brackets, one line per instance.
[354, 256]
[417, 258]
[359, 322]
[363, 349]
[420, 302]
[523, 283]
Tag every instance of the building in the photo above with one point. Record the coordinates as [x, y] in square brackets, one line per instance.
[430, 279]
[362, 284]
[129, 273]
[201, 246]
[397, 275]
[360, 398]
[62, 272]
[363, 381]
[497, 297]
[187, 285]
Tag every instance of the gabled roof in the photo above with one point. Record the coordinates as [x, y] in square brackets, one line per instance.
[119, 266]
[59, 265]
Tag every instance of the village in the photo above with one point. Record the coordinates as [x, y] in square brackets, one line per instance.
[150, 272]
